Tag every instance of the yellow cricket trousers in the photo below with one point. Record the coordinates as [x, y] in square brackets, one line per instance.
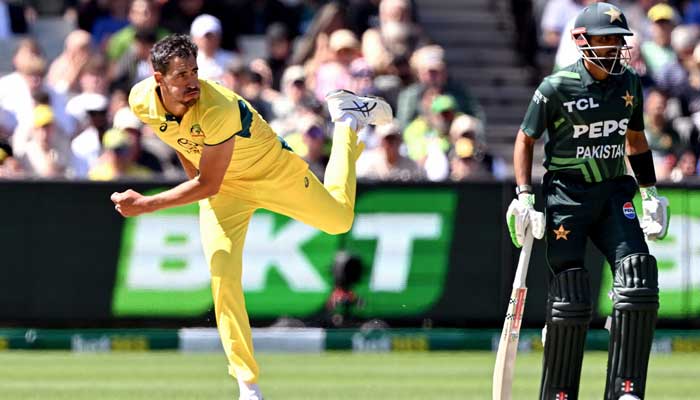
[280, 182]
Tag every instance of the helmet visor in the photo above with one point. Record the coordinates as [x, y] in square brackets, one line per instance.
[611, 59]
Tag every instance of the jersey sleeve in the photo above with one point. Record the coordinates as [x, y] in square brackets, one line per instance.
[535, 122]
[637, 119]
[220, 124]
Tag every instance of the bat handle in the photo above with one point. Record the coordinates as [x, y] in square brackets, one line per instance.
[523, 261]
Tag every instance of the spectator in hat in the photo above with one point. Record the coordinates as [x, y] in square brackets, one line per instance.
[658, 52]
[87, 146]
[428, 133]
[135, 64]
[335, 73]
[469, 158]
[429, 64]
[125, 120]
[144, 15]
[116, 161]
[436, 142]
[464, 165]
[10, 167]
[46, 154]
[467, 126]
[64, 71]
[211, 58]
[386, 163]
[279, 50]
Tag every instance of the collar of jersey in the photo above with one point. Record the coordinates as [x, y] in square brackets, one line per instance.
[156, 110]
[587, 79]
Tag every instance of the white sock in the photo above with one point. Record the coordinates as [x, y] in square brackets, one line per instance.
[350, 120]
[249, 391]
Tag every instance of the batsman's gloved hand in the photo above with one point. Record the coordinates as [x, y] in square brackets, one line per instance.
[521, 216]
[657, 214]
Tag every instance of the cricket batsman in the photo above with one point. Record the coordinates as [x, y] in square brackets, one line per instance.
[591, 112]
[236, 164]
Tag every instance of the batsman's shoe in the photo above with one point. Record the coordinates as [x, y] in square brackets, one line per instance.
[628, 397]
[368, 110]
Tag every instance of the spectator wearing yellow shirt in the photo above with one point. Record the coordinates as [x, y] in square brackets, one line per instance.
[116, 161]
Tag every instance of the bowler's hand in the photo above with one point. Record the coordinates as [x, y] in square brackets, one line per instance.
[130, 203]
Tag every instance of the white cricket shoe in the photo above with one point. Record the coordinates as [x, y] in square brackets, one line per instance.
[628, 397]
[367, 110]
[249, 391]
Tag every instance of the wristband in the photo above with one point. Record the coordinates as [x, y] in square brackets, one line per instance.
[523, 189]
[643, 167]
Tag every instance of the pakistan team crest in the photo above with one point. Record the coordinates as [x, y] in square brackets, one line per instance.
[196, 131]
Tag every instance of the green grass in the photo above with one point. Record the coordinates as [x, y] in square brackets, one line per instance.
[335, 375]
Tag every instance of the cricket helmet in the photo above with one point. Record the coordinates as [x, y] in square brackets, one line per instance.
[599, 19]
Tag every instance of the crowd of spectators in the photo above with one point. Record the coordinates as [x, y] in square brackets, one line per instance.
[666, 55]
[68, 117]
[283, 56]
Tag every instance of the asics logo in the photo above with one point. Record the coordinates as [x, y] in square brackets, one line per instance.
[362, 107]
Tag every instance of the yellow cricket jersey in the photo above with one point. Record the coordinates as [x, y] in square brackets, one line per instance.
[218, 115]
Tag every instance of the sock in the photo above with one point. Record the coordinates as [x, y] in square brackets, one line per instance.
[350, 120]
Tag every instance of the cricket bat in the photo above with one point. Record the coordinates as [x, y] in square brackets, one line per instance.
[508, 345]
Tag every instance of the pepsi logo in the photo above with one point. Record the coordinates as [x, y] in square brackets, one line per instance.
[628, 210]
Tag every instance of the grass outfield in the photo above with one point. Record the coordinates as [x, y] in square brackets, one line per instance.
[335, 375]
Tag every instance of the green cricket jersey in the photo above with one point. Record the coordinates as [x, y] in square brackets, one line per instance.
[585, 121]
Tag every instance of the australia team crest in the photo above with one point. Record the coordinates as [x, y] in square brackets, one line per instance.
[196, 131]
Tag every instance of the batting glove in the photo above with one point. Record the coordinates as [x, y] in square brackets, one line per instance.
[521, 216]
[657, 214]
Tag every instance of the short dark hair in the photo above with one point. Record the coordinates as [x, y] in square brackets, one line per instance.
[171, 46]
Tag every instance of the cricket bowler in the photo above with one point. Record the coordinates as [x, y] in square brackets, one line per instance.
[591, 113]
[236, 164]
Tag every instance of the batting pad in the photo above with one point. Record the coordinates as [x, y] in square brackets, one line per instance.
[568, 315]
[635, 306]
